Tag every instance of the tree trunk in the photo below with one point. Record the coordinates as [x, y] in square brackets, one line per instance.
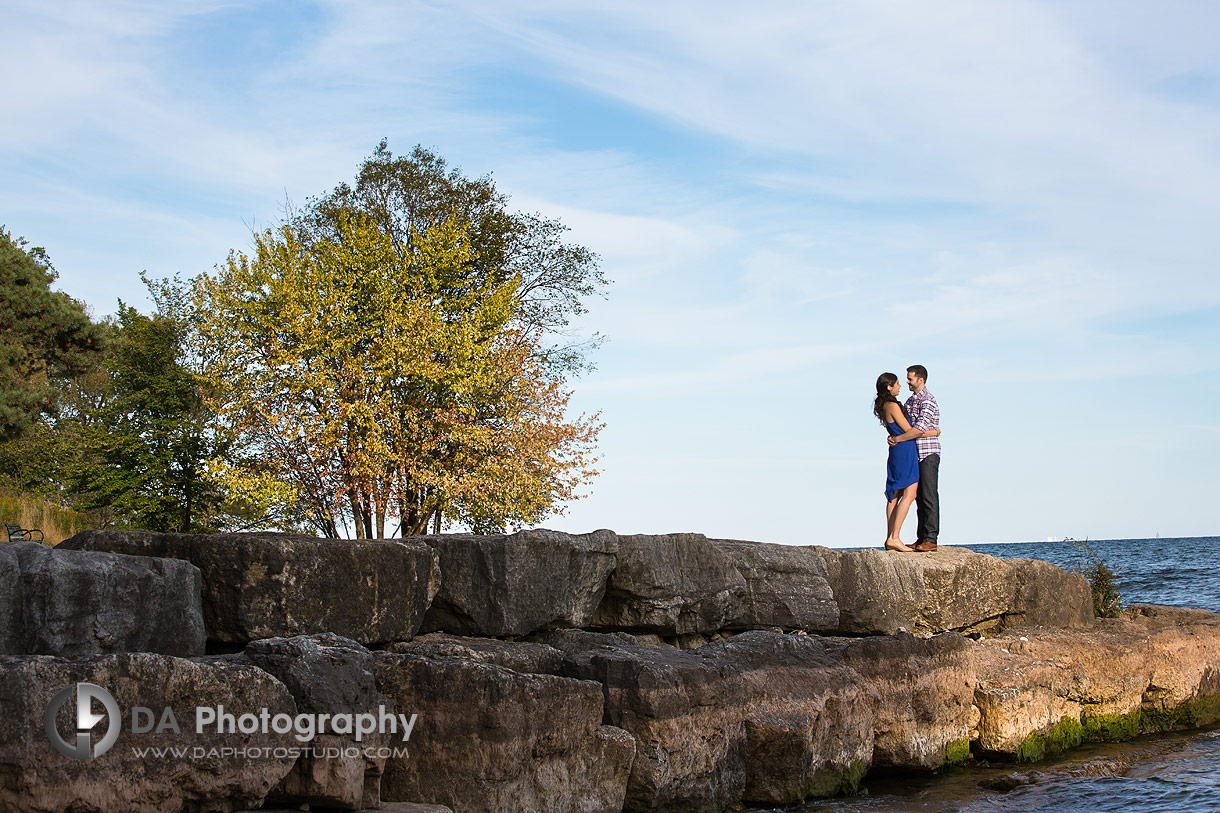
[188, 500]
[357, 519]
[366, 514]
[422, 526]
[410, 512]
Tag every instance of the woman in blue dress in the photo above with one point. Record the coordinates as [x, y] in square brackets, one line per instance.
[902, 469]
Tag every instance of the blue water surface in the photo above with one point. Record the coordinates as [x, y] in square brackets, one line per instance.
[1181, 572]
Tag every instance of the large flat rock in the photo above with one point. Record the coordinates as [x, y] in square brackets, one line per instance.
[265, 585]
[489, 739]
[219, 776]
[71, 603]
[762, 717]
[1040, 691]
[670, 584]
[517, 584]
[514, 584]
[686, 585]
[885, 592]
[787, 586]
[922, 695]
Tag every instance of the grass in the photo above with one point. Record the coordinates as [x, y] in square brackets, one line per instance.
[56, 522]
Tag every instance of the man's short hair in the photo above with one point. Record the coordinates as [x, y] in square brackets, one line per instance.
[919, 370]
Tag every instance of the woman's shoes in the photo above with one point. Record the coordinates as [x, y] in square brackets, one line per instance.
[890, 544]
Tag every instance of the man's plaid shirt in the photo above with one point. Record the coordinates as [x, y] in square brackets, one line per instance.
[924, 414]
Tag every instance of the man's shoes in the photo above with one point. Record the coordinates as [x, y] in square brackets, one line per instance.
[924, 545]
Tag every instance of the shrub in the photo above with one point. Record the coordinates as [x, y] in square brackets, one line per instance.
[1107, 601]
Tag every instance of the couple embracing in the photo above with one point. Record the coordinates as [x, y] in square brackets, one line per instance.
[914, 462]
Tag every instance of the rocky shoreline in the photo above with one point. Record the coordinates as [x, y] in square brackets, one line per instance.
[556, 672]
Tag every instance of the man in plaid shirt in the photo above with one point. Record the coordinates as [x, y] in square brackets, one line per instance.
[925, 415]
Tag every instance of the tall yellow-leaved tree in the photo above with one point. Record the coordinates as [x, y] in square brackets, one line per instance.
[372, 385]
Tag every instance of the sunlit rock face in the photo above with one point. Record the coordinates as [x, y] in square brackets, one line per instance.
[1041, 691]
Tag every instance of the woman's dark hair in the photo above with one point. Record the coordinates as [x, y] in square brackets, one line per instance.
[884, 382]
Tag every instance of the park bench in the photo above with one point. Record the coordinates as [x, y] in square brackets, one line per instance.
[18, 534]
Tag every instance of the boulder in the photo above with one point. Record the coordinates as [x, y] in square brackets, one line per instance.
[491, 739]
[878, 592]
[266, 585]
[518, 583]
[809, 729]
[71, 603]
[786, 586]
[670, 584]
[885, 592]
[760, 717]
[327, 673]
[1045, 595]
[922, 695]
[211, 771]
[1040, 691]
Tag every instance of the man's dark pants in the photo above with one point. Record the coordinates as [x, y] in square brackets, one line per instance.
[927, 499]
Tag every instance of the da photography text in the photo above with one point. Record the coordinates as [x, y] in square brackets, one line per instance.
[304, 727]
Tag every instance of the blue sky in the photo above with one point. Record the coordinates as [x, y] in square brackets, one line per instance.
[791, 199]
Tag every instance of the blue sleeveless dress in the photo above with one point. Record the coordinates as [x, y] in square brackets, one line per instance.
[902, 468]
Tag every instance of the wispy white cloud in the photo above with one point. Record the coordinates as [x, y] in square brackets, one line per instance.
[930, 104]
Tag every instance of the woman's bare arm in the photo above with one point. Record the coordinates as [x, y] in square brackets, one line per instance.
[895, 413]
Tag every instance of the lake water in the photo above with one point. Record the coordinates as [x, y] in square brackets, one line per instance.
[1172, 773]
[1179, 572]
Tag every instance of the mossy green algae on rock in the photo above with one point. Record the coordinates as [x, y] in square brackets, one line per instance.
[957, 752]
[1069, 732]
[1196, 713]
[1064, 735]
[832, 782]
[1111, 727]
[1202, 711]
